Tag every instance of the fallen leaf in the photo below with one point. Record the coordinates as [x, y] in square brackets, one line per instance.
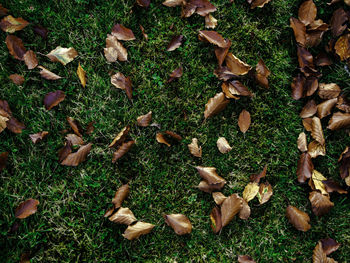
[41, 31]
[250, 191]
[161, 139]
[122, 33]
[176, 74]
[123, 216]
[15, 47]
[338, 22]
[144, 120]
[259, 3]
[52, 99]
[143, 3]
[307, 12]
[17, 79]
[344, 161]
[320, 203]
[122, 150]
[316, 182]
[115, 50]
[74, 139]
[121, 136]
[62, 55]
[305, 167]
[121, 82]
[81, 75]
[215, 218]
[3, 10]
[143, 32]
[180, 223]
[328, 91]
[209, 188]
[309, 109]
[74, 159]
[244, 213]
[172, 3]
[37, 137]
[229, 208]
[261, 74]
[316, 130]
[221, 52]
[244, 121]
[224, 73]
[319, 256]
[210, 21]
[138, 229]
[175, 43]
[10, 24]
[316, 149]
[218, 197]
[332, 186]
[3, 160]
[299, 30]
[90, 128]
[64, 151]
[342, 47]
[255, 178]
[245, 259]
[311, 85]
[325, 108]
[322, 59]
[236, 66]
[233, 89]
[30, 59]
[302, 142]
[47, 74]
[307, 123]
[74, 124]
[194, 149]
[298, 87]
[339, 121]
[210, 175]
[3, 124]
[215, 105]
[26, 208]
[265, 193]
[329, 245]
[120, 195]
[15, 125]
[299, 219]
[343, 103]
[212, 37]
[223, 145]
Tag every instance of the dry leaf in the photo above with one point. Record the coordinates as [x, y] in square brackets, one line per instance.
[215, 105]
[64, 151]
[30, 59]
[15, 47]
[218, 197]
[74, 159]
[236, 66]
[332, 186]
[342, 47]
[298, 87]
[221, 53]
[10, 24]
[120, 138]
[244, 121]
[320, 203]
[316, 130]
[234, 88]
[143, 32]
[319, 256]
[316, 149]
[299, 219]
[47, 74]
[74, 139]
[212, 37]
[123, 216]
[259, 3]
[3, 160]
[339, 121]
[316, 182]
[309, 109]
[302, 142]
[26, 208]
[138, 229]
[115, 50]
[325, 108]
[144, 120]
[121, 82]
[90, 127]
[250, 191]
[17, 79]
[210, 21]
[15, 125]
[3, 10]
[244, 213]
[180, 223]
[322, 59]
[52, 99]
[41, 31]
[194, 149]
[120, 195]
[223, 145]
[176, 74]
[229, 208]
[161, 139]
[122, 33]
[175, 43]
[305, 167]
[122, 150]
[245, 259]
[261, 74]
[81, 75]
[338, 22]
[344, 161]
[299, 30]
[265, 193]
[3, 124]
[215, 218]
[62, 55]
[209, 188]
[210, 175]
[255, 178]
[328, 91]
[329, 245]
[74, 124]
[172, 3]
[307, 123]
[37, 137]
[307, 12]
[143, 3]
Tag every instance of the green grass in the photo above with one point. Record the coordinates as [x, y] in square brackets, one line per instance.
[69, 225]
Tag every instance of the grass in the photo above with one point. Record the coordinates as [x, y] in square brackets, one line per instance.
[69, 225]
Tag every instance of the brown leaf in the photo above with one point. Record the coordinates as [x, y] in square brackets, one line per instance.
[224, 73]
[26, 208]
[299, 30]
[138, 229]
[245, 259]
[120, 195]
[3, 124]
[210, 21]
[194, 149]
[41, 31]
[244, 213]
[302, 142]
[204, 7]
[121, 82]
[250, 191]
[74, 139]
[210, 175]
[316, 130]
[172, 3]
[143, 32]
[307, 123]
[37, 137]
[215, 105]
[81, 75]
[319, 256]
[244, 121]
[175, 43]
[52, 99]
[15, 47]
[229, 208]
[10, 24]
[161, 139]
[261, 74]
[265, 193]
[62, 55]
[30, 59]
[322, 59]
[121, 136]
[115, 50]
[64, 151]
[176, 74]
[320, 203]
[122, 33]
[255, 178]
[305, 58]
[298, 87]
[17, 79]
[212, 37]
[325, 108]
[209, 188]
[328, 91]
[223, 145]
[74, 124]
[215, 217]
[180, 223]
[299, 219]
[338, 22]
[234, 88]
[332, 186]
[173, 135]
[15, 125]
[143, 3]
[259, 3]
[316, 149]
[3, 160]
[339, 121]
[3, 10]
[311, 85]
[47, 74]
[342, 47]
[307, 12]
[309, 109]
[344, 161]
[221, 52]
[343, 103]
[90, 127]
[123, 216]
[144, 120]
[329, 245]
[74, 159]
[122, 150]
[236, 66]
[218, 197]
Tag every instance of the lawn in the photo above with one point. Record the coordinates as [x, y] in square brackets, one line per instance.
[69, 225]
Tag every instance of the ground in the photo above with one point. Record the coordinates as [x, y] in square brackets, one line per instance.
[69, 225]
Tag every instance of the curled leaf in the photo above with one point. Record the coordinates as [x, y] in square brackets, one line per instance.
[123, 216]
[120, 195]
[316, 182]
[122, 150]
[229, 208]
[209, 188]
[320, 203]
[37, 137]
[309, 109]
[47, 74]
[74, 124]
[74, 139]
[144, 120]
[329, 245]
[250, 191]
[180, 223]
[316, 149]
[256, 177]
[194, 149]
[121, 82]
[15, 47]
[212, 37]
[175, 43]
[332, 186]
[138, 229]
[218, 197]
[319, 256]
[122, 33]
[325, 108]
[316, 130]
[299, 30]
[215, 218]
[299, 219]
[30, 59]
[161, 139]
[210, 175]
[265, 193]
[10, 24]
[17, 79]
[236, 66]
[215, 105]
[81, 75]
[74, 159]
[244, 213]
[176, 74]
[223, 145]
[261, 74]
[339, 121]
[210, 21]
[120, 138]
[305, 167]
[302, 142]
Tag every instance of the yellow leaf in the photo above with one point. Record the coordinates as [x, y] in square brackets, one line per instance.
[82, 75]
[250, 191]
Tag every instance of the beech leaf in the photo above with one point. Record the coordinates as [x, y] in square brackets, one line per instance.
[138, 229]
[175, 43]
[26, 208]
[81, 75]
[320, 203]
[299, 219]
[37, 137]
[120, 195]
[339, 121]
[194, 149]
[215, 218]
[30, 59]
[74, 159]
[47, 74]
[122, 33]
[250, 191]
[305, 167]
[123, 216]
[10, 24]
[210, 175]
[52, 99]
[180, 223]
[144, 120]
[223, 145]
[302, 142]
[122, 150]
[244, 121]
[325, 108]
[215, 105]
[229, 208]
[307, 12]
[62, 55]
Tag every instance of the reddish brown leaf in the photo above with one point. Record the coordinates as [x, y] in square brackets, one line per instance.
[309, 109]
[180, 223]
[256, 177]
[302, 142]
[307, 124]
[120, 195]
[332, 186]
[74, 124]
[342, 47]
[47, 74]
[122, 150]
[26, 208]
[161, 139]
[311, 85]
[259, 3]
[15, 125]
[3, 10]
[144, 120]
[41, 31]
[244, 213]
[317, 131]
[115, 50]
[143, 3]
[261, 74]
[305, 58]
[245, 259]
[339, 121]
[344, 161]
[329, 245]
[299, 219]
[64, 151]
[121, 82]
[319, 256]
[122, 33]
[210, 175]
[175, 43]
[138, 229]
[37, 137]
[322, 59]
[212, 37]
[74, 159]
[307, 12]
[221, 52]
[325, 108]
[305, 167]
[236, 66]
[234, 88]
[229, 208]
[3, 160]
[52, 99]
[17, 79]
[215, 105]
[338, 22]
[244, 121]
[299, 30]
[215, 217]
[172, 3]
[298, 87]
[30, 59]
[320, 203]
[15, 47]
[90, 127]
[176, 74]
[143, 32]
